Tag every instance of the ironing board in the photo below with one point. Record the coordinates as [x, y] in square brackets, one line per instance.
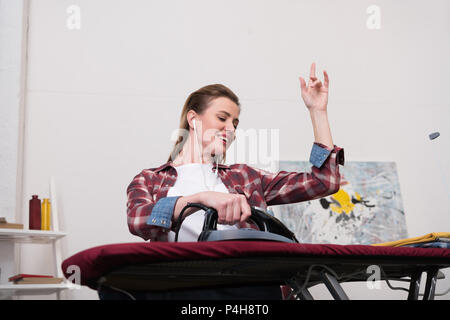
[161, 266]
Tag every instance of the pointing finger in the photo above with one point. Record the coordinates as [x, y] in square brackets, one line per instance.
[312, 73]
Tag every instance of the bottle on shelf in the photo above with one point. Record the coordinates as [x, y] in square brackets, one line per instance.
[45, 214]
[35, 213]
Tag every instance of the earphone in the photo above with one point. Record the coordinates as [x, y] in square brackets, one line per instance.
[196, 139]
[200, 154]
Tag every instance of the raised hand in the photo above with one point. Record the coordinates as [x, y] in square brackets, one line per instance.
[315, 94]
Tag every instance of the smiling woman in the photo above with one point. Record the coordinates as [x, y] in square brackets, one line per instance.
[215, 108]
[195, 173]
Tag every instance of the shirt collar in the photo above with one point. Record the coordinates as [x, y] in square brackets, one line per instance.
[169, 164]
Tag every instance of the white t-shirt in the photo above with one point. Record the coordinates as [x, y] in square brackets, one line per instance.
[190, 181]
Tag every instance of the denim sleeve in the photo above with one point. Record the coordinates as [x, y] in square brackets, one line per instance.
[162, 212]
[318, 155]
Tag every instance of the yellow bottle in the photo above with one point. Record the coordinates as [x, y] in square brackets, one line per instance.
[45, 214]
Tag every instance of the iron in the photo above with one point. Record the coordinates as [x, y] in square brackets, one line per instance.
[270, 228]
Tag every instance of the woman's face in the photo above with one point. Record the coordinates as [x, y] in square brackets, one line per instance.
[218, 125]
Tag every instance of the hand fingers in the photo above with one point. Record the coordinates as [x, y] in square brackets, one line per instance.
[302, 83]
[326, 79]
[233, 210]
[312, 72]
[222, 215]
[236, 212]
[246, 211]
[316, 84]
[230, 212]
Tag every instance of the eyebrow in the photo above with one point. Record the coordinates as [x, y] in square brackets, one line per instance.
[229, 115]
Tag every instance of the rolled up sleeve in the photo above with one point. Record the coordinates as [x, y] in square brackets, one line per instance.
[292, 187]
[146, 218]
[320, 153]
[162, 212]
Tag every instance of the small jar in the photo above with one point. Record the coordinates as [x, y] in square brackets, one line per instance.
[45, 214]
[35, 213]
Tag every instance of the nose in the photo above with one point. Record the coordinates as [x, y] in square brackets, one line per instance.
[230, 129]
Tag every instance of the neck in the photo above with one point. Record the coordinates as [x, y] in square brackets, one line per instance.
[191, 154]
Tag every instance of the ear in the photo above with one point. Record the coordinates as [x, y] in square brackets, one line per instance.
[191, 115]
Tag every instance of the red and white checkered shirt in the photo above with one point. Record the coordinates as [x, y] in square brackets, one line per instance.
[260, 187]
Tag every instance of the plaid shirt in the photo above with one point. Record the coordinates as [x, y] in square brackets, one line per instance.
[150, 211]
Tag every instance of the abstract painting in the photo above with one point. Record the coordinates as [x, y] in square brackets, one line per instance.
[367, 209]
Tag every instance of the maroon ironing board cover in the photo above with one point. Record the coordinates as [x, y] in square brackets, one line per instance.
[99, 261]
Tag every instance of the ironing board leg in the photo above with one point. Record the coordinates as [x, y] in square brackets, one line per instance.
[305, 295]
[296, 285]
[333, 286]
[414, 286]
[431, 284]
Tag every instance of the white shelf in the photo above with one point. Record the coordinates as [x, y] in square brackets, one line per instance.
[11, 241]
[9, 290]
[30, 236]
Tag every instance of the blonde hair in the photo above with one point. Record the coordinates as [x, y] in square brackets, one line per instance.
[198, 101]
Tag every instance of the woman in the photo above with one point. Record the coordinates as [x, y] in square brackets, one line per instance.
[192, 173]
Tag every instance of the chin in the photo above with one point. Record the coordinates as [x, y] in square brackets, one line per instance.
[217, 153]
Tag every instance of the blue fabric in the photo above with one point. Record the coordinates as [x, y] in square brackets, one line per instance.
[434, 244]
[162, 212]
[318, 155]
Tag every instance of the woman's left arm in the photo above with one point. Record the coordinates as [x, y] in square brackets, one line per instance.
[315, 96]
[324, 179]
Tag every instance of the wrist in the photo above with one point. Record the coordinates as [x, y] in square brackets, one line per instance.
[319, 119]
[195, 198]
[317, 112]
[182, 202]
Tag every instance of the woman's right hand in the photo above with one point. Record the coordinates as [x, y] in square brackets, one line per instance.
[231, 208]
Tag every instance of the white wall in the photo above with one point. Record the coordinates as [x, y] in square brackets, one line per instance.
[11, 104]
[103, 100]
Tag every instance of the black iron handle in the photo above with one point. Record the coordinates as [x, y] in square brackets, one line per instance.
[263, 220]
[211, 217]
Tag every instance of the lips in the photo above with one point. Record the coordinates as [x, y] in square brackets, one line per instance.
[224, 138]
